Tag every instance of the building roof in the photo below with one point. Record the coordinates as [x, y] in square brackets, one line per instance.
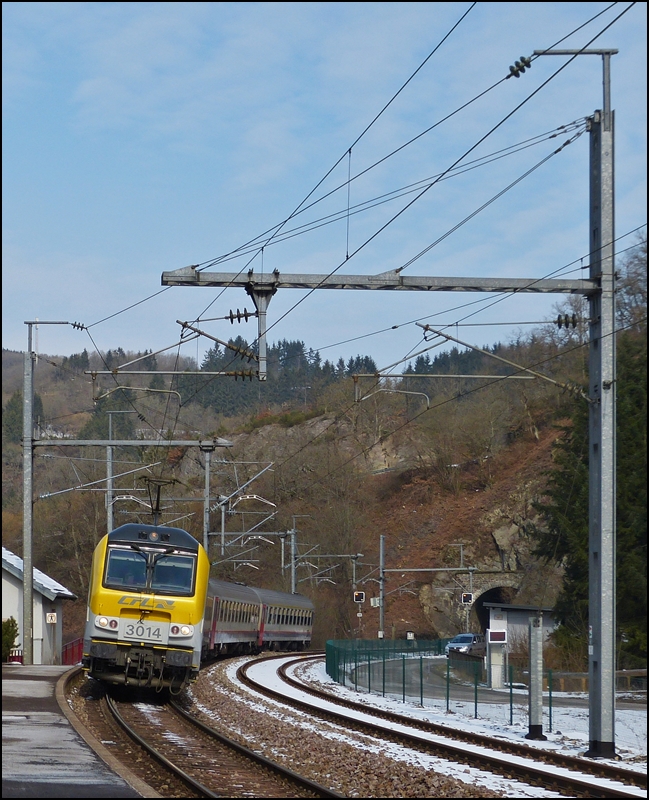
[42, 583]
[507, 607]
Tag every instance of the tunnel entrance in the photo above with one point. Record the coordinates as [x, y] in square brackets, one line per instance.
[499, 594]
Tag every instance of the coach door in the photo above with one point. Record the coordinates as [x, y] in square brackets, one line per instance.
[262, 625]
[215, 616]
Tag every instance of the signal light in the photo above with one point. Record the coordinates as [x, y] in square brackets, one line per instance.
[520, 66]
[359, 597]
[467, 598]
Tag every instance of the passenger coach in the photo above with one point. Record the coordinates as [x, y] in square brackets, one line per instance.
[242, 619]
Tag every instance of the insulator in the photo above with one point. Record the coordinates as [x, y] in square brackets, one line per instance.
[520, 66]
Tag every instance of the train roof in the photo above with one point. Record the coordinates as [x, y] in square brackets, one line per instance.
[134, 532]
[239, 592]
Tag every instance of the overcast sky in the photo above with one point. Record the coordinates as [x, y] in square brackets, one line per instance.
[140, 138]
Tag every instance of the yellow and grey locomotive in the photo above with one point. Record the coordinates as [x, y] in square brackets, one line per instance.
[145, 607]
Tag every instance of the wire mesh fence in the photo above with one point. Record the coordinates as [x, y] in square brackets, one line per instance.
[418, 672]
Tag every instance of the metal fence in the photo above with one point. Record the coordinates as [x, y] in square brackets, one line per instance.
[72, 652]
[417, 672]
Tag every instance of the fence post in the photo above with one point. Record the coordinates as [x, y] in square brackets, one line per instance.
[383, 672]
[369, 673]
[550, 697]
[448, 683]
[421, 681]
[511, 694]
[403, 675]
[355, 669]
[475, 689]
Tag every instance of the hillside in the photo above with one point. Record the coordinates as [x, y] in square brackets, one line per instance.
[488, 512]
[394, 489]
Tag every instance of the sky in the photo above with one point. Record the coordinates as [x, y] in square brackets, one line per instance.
[140, 138]
[569, 733]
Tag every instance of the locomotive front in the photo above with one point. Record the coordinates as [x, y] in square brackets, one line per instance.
[145, 607]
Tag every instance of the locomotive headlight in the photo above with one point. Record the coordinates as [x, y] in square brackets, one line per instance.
[109, 623]
[181, 630]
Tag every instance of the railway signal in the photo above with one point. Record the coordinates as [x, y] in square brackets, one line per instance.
[359, 597]
[467, 598]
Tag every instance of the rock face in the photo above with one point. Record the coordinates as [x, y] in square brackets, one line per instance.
[482, 527]
[474, 522]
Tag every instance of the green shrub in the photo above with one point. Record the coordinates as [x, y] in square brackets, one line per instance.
[9, 636]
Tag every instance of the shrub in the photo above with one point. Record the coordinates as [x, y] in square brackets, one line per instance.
[9, 636]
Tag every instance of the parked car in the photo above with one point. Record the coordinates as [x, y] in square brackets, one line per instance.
[470, 643]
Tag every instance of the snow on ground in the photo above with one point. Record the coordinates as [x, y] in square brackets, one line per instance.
[570, 727]
[569, 733]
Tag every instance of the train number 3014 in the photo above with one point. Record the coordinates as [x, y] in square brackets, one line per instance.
[142, 632]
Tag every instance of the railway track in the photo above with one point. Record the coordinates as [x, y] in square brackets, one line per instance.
[205, 762]
[565, 774]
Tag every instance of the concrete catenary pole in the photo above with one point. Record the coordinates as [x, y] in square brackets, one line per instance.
[28, 502]
[601, 559]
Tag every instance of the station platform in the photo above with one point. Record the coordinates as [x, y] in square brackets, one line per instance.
[45, 753]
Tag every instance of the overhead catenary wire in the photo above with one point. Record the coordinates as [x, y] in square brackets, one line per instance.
[406, 206]
[464, 394]
[358, 208]
[279, 225]
[561, 270]
[459, 160]
[483, 302]
[456, 162]
[358, 138]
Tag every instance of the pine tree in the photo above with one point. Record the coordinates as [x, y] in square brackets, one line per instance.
[564, 538]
